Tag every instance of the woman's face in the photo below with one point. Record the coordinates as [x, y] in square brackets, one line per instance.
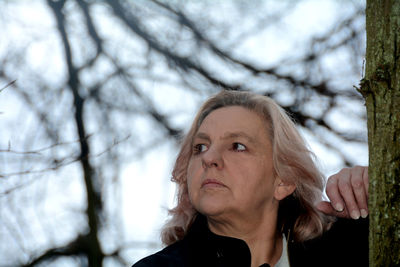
[230, 172]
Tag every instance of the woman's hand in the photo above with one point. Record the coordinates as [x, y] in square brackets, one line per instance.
[348, 193]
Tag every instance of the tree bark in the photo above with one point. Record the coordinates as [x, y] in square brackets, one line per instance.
[381, 89]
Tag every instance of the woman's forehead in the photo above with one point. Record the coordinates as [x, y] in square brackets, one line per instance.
[233, 121]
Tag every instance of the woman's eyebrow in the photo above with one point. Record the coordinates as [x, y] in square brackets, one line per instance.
[228, 135]
[231, 135]
[201, 135]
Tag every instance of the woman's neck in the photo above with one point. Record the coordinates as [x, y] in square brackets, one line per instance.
[260, 234]
[265, 251]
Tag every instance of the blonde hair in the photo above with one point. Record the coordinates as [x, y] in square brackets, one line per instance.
[293, 163]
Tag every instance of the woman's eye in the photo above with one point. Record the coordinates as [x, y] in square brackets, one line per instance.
[238, 147]
[199, 148]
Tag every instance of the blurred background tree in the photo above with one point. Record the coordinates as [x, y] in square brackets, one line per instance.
[104, 90]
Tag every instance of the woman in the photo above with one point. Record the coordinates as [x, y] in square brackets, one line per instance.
[247, 195]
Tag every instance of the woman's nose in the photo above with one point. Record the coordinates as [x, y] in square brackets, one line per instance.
[212, 158]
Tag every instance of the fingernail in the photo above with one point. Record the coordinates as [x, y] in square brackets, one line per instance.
[339, 207]
[364, 213]
[355, 214]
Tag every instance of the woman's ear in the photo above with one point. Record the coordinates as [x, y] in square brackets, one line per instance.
[283, 189]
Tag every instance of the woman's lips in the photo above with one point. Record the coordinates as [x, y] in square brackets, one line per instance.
[212, 183]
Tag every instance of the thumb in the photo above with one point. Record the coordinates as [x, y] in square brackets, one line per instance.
[327, 208]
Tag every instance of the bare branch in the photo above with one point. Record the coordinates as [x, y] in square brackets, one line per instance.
[8, 85]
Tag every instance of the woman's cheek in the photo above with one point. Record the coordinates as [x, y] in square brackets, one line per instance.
[192, 191]
[193, 180]
[190, 181]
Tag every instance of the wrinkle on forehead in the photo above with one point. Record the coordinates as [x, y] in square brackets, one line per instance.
[265, 125]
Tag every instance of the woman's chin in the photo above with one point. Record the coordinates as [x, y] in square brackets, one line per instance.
[211, 208]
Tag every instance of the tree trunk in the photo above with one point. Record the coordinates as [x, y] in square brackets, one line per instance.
[92, 249]
[381, 89]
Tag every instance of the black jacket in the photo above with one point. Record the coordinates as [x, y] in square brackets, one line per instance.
[345, 244]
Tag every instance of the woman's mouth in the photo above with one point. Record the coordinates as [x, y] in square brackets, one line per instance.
[212, 183]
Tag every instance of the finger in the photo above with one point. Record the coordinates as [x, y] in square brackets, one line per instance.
[333, 193]
[346, 191]
[359, 190]
[366, 180]
[327, 208]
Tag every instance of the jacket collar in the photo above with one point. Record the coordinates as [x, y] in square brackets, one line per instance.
[209, 249]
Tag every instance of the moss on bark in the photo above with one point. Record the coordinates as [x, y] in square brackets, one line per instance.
[381, 89]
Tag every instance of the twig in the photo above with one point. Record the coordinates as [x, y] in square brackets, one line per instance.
[9, 84]
[59, 163]
[37, 151]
